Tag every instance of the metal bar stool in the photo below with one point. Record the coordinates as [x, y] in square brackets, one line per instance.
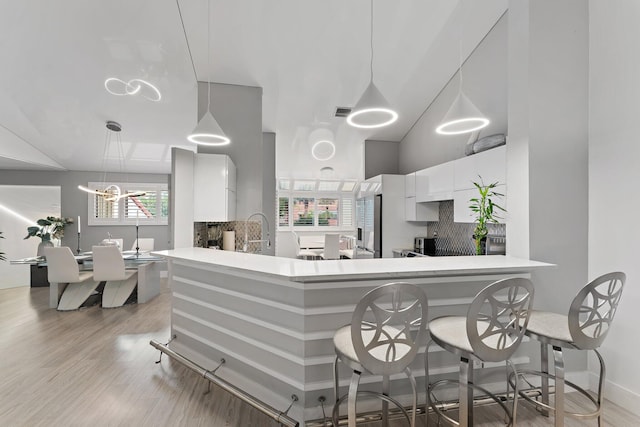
[489, 333]
[584, 328]
[386, 330]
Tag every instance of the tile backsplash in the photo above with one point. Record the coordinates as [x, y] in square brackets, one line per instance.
[207, 231]
[456, 236]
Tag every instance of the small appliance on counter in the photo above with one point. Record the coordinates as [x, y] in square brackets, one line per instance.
[424, 245]
[496, 245]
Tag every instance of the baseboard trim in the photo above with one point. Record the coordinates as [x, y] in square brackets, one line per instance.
[621, 396]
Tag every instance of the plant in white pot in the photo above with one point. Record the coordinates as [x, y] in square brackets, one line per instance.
[48, 228]
[485, 210]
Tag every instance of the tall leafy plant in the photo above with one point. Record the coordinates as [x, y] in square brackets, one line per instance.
[49, 228]
[486, 211]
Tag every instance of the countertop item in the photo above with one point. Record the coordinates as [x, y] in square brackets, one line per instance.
[229, 240]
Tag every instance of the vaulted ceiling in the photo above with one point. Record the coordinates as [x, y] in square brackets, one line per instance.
[309, 57]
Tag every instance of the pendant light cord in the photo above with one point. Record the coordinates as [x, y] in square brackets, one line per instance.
[184, 31]
[371, 43]
[208, 59]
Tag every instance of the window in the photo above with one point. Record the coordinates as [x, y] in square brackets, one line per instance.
[307, 212]
[328, 212]
[303, 211]
[152, 208]
[283, 211]
[315, 205]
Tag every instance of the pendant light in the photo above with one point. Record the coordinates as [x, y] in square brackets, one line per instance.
[372, 110]
[463, 116]
[208, 131]
[111, 192]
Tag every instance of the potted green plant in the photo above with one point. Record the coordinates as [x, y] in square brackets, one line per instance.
[48, 228]
[485, 210]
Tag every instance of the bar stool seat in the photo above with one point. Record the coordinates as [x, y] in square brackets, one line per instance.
[490, 332]
[584, 328]
[387, 328]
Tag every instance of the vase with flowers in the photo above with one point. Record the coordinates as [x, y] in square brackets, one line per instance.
[48, 228]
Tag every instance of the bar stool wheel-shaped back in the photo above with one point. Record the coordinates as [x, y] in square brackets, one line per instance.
[387, 328]
[584, 328]
[488, 333]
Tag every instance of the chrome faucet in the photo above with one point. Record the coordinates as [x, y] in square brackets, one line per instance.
[245, 247]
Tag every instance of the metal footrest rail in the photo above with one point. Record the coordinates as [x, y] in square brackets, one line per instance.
[445, 406]
[279, 416]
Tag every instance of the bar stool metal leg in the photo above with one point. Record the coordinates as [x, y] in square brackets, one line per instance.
[544, 368]
[466, 392]
[353, 393]
[559, 402]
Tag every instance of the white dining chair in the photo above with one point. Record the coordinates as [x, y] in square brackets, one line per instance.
[64, 274]
[331, 247]
[108, 266]
[144, 244]
[303, 253]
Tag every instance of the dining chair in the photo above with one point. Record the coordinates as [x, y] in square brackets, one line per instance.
[62, 269]
[303, 253]
[331, 246]
[387, 328]
[144, 244]
[584, 328]
[108, 266]
[490, 332]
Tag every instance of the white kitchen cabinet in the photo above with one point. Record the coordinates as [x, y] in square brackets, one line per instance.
[410, 185]
[461, 211]
[214, 188]
[435, 183]
[414, 211]
[491, 165]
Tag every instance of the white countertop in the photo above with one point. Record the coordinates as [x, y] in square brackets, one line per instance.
[303, 270]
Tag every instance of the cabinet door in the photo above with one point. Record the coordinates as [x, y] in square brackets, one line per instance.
[410, 209]
[209, 188]
[421, 211]
[491, 165]
[410, 185]
[231, 176]
[435, 183]
[461, 211]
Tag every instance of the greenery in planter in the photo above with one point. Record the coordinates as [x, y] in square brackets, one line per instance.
[49, 228]
[485, 210]
[2, 257]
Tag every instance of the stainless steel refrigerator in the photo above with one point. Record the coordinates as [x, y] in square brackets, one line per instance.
[369, 227]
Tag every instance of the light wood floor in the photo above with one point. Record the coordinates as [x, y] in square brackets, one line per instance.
[95, 367]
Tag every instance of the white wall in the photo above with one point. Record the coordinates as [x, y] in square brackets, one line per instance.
[380, 157]
[614, 177]
[485, 83]
[17, 204]
[238, 110]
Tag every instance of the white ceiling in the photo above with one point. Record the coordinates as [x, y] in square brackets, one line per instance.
[309, 56]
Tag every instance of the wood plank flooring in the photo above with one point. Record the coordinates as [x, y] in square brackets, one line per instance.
[95, 367]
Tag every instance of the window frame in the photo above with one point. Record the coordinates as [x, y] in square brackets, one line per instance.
[121, 220]
[316, 195]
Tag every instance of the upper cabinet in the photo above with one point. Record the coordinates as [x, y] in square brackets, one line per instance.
[214, 188]
[435, 183]
[410, 185]
[491, 165]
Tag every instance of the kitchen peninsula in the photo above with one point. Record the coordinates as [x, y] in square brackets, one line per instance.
[272, 319]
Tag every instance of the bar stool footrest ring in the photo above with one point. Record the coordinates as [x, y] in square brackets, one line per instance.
[438, 411]
[540, 405]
